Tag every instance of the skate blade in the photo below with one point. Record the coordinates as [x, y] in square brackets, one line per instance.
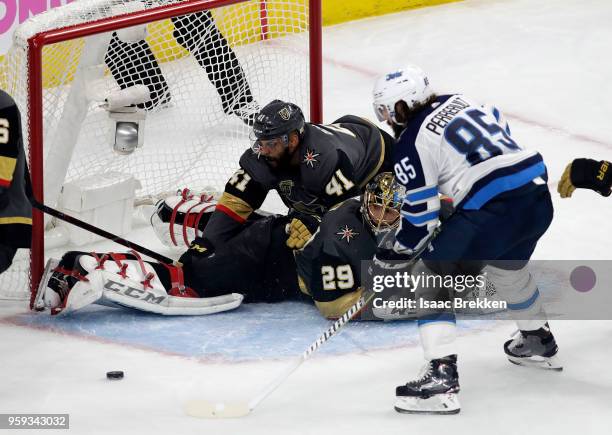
[442, 404]
[551, 363]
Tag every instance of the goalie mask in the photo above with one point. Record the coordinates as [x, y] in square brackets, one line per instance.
[381, 203]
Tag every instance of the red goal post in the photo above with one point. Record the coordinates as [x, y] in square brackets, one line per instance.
[39, 41]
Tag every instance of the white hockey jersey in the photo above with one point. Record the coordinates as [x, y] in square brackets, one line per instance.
[463, 150]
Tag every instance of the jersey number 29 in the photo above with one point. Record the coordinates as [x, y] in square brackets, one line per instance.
[339, 277]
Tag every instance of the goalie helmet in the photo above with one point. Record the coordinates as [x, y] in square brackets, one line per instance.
[409, 84]
[381, 203]
[276, 120]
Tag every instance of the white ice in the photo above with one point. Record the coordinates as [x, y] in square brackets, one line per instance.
[547, 65]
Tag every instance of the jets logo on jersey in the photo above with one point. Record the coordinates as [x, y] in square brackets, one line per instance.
[310, 158]
[284, 114]
[347, 233]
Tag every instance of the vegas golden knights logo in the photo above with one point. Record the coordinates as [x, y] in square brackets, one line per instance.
[284, 113]
[285, 187]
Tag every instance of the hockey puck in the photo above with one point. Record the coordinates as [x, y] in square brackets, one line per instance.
[114, 375]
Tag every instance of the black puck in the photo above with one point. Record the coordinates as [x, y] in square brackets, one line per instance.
[114, 375]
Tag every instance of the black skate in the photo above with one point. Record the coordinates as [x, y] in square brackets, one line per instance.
[435, 392]
[534, 349]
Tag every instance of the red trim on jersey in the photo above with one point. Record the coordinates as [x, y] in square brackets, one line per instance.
[5, 183]
[231, 213]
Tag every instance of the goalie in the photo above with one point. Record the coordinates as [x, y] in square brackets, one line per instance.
[256, 263]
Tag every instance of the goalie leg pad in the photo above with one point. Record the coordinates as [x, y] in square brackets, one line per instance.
[124, 280]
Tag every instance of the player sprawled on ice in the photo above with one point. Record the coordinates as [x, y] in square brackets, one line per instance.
[316, 169]
[256, 262]
[452, 145]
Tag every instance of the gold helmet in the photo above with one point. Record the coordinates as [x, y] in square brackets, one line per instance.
[382, 201]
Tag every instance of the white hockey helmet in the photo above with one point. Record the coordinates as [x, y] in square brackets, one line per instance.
[409, 84]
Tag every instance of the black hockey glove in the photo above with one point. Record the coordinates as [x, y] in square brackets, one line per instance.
[586, 174]
[198, 249]
[301, 229]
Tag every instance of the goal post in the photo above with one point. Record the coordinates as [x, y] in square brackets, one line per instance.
[277, 46]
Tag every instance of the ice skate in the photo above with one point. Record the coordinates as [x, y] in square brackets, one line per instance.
[534, 349]
[434, 392]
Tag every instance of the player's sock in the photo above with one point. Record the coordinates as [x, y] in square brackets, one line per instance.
[536, 348]
[435, 391]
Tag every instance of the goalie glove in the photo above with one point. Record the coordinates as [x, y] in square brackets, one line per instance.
[301, 230]
[180, 219]
[586, 174]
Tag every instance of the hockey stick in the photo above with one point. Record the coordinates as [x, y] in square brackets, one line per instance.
[206, 409]
[100, 232]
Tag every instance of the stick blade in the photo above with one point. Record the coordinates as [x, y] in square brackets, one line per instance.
[206, 409]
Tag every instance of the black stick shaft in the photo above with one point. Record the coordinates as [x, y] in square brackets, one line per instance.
[100, 232]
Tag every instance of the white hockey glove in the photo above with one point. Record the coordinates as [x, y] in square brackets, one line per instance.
[179, 219]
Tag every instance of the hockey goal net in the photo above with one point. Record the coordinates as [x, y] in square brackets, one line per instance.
[207, 64]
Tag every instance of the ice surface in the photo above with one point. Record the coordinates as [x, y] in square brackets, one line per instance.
[547, 66]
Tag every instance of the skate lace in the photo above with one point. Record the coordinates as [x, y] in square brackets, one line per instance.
[517, 338]
[424, 374]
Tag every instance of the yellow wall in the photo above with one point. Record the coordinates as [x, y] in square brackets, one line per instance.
[339, 11]
[237, 24]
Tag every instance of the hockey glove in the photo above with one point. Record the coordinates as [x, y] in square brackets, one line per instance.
[301, 230]
[586, 174]
[198, 249]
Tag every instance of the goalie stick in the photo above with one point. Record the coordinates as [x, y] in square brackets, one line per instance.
[207, 409]
[102, 233]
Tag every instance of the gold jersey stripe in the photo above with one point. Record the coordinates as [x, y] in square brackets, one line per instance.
[235, 204]
[336, 308]
[7, 168]
[302, 285]
[15, 220]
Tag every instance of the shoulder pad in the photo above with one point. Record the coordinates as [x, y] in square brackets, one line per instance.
[341, 226]
[7, 102]
[353, 119]
[258, 169]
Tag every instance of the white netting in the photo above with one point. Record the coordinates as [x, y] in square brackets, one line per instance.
[207, 72]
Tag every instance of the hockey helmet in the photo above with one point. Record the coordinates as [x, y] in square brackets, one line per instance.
[409, 84]
[276, 120]
[381, 202]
